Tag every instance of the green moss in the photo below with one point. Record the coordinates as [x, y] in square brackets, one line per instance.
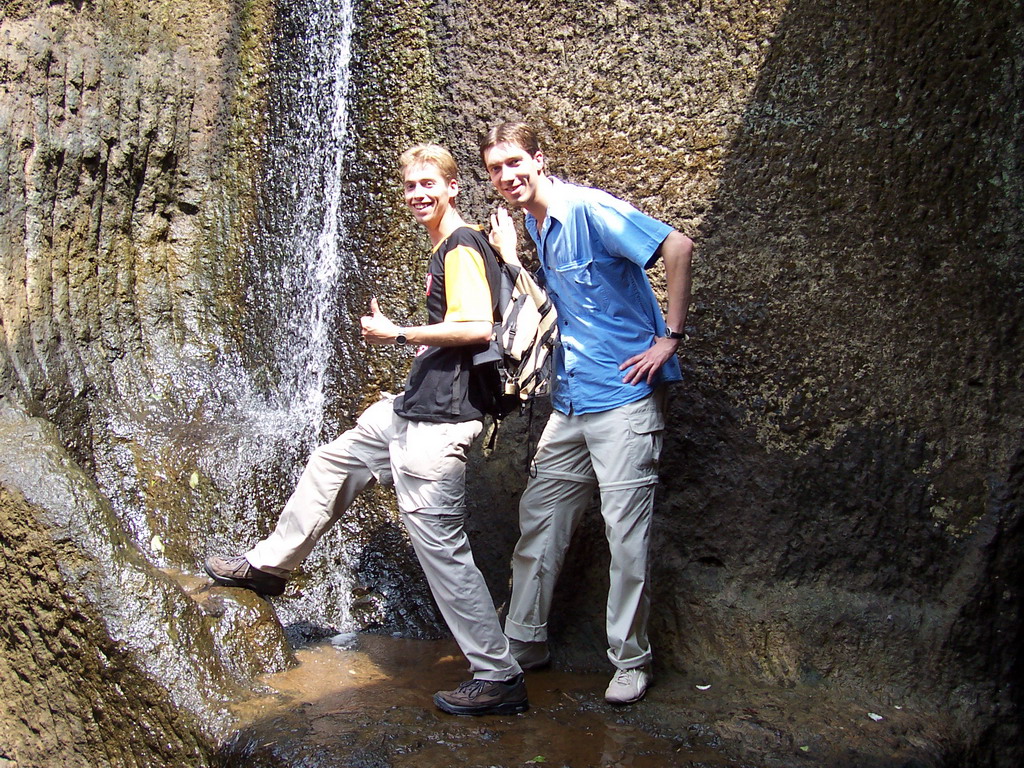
[394, 104]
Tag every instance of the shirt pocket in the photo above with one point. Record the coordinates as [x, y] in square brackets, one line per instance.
[579, 286]
[568, 262]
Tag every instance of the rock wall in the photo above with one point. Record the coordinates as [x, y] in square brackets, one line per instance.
[841, 498]
[122, 196]
[841, 485]
[103, 659]
[116, 118]
[132, 145]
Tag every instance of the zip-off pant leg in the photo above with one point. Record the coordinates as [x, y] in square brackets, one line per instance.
[334, 475]
[549, 511]
[619, 450]
[627, 516]
[461, 593]
[429, 467]
[427, 463]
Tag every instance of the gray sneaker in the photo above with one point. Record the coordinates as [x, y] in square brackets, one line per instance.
[529, 655]
[628, 685]
[236, 571]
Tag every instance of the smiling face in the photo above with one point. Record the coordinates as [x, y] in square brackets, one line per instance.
[429, 195]
[515, 173]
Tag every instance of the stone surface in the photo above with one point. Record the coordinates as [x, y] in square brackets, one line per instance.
[841, 480]
[103, 658]
[840, 512]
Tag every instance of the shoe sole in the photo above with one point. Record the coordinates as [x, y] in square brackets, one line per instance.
[227, 581]
[505, 708]
[625, 701]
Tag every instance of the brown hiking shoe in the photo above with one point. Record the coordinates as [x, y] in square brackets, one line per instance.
[236, 571]
[485, 697]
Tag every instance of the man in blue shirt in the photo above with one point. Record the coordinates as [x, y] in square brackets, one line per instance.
[616, 354]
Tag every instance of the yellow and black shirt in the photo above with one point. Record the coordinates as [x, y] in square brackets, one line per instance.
[462, 285]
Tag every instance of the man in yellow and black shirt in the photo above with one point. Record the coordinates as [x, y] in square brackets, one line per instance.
[443, 385]
[418, 442]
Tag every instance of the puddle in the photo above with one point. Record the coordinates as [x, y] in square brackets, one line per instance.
[369, 704]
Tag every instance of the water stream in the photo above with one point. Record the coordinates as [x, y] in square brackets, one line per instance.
[301, 241]
[205, 462]
[301, 230]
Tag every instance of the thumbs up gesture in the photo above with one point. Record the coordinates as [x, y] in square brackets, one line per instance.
[377, 328]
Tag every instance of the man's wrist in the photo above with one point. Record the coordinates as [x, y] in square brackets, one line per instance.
[677, 335]
[401, 338]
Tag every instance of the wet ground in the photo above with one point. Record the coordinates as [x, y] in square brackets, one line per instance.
[368, 703]
[365, 702]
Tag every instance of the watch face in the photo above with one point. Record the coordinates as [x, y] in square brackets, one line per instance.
[400, 339]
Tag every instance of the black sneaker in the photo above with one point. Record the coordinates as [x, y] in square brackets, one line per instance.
[237, 572]
[485, 697]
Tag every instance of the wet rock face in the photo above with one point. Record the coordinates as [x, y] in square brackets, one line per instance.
[68, 697]
[103, 658]
[841, 483]
[841, 496]
[114, 120]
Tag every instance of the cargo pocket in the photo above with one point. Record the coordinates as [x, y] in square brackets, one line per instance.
[431, 451]
[647, 428]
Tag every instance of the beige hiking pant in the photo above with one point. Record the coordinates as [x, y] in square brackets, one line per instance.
[616, 451]
[426, 463]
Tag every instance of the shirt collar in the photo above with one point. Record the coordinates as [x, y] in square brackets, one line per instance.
[436, 248]
[558, 204]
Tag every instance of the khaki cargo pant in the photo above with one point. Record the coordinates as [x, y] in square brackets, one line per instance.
[426, 463]
[616, 451]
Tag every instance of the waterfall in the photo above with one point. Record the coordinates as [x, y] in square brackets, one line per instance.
[300, 243]
[301, 219]
[206, 461]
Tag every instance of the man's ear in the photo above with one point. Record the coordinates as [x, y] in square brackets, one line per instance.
[539, 159]
[453, 187]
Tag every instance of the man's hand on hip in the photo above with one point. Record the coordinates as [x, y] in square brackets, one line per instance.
[647, 364]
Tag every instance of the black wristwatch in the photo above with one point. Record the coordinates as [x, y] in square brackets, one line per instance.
[400, 339]
[678, 335]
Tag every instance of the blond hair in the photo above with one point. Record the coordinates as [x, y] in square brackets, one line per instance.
[430, 154]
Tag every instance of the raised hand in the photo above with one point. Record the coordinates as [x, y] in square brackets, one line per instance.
[377, 328]
[503, 236]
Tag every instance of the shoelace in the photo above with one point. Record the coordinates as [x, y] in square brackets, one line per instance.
[472, 688]
[624, 676]
[237, 565]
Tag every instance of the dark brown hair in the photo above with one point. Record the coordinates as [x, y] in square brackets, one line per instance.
[520, 134]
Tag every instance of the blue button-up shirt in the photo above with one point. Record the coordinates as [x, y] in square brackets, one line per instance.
[594, 250]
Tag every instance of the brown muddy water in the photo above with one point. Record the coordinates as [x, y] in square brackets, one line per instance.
[367, 704]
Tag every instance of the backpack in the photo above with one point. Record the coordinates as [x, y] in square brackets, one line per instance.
[520, 351]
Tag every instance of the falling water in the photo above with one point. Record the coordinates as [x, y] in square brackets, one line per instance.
[300, 245]
[223, 444]
[301, 224]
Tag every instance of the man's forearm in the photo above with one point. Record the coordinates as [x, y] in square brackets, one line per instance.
[379, 329]
[677, 255]
[676, 251]
[449, 334]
